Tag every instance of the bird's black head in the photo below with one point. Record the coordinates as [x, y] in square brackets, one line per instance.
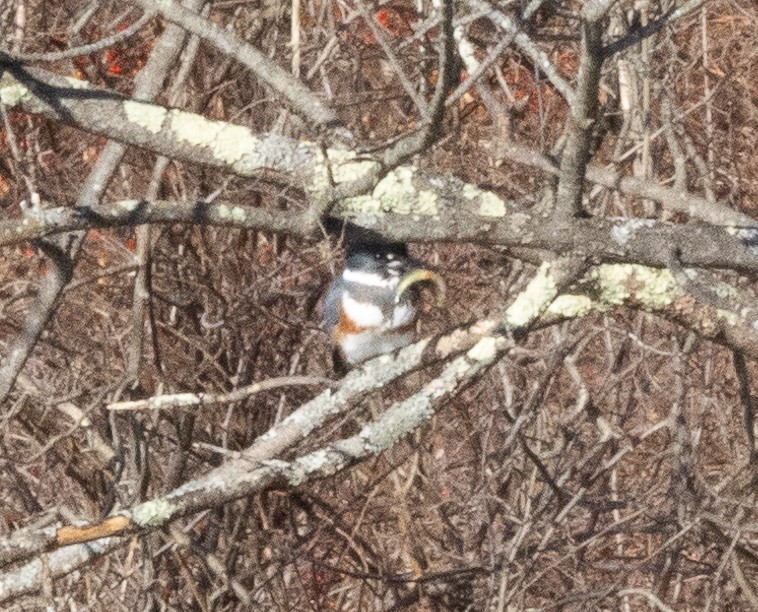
[377, 248]
[375, 257]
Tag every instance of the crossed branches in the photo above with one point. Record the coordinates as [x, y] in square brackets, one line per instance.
[594, 264]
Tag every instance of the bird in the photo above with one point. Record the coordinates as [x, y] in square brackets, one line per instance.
[372, 307]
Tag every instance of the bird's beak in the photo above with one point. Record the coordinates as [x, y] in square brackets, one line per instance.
[421, 275]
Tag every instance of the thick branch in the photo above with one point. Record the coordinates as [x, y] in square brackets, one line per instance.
[172, 133]
[254, 472]
[236, 479]
[581, 121]
[193, 138]
[29, 577]
[250, 473]
[464, 215]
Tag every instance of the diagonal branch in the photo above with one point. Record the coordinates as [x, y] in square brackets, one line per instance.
[255, 470]
[527, 45]
[477, 69]
[148, 83]
[302, 99]
[483, 344]
[431, 129]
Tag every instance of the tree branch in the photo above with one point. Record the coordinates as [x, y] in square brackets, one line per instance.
[581, 123]
[237, 149]
[522, 40]
[484, 343]
[464, 215]
[94, 47]
[302, 99]
[147, 84]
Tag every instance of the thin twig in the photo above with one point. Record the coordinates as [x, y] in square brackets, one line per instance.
[185, 400]
[298, 95]
[94, 47]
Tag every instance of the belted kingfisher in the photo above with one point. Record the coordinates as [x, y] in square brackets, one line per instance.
[373, 306]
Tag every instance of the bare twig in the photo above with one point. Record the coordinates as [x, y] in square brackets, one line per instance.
[184, 400]
[147, 85]
[651, 28]
[298, 95]
[142, 289]
[748, 405]
[522, 40]
[477, 69]
[56, 56]
[431, 129]
[414, 95]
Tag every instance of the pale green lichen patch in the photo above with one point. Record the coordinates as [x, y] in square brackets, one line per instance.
[342, 166]
[128, 205]
[13, 94]
[346, 167]
[537, 295]
[427, 203]
[470, 192]
[228, 143]
[649, 287]
[490, 205]
[612, 283]
[146, 115]
[485, 350]
[314, 462]
[239, 215]
[152, 514]
[729, 317]
[570, 306]
[236, 214]
[224, 212]
[361, 205]
[395, 193]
